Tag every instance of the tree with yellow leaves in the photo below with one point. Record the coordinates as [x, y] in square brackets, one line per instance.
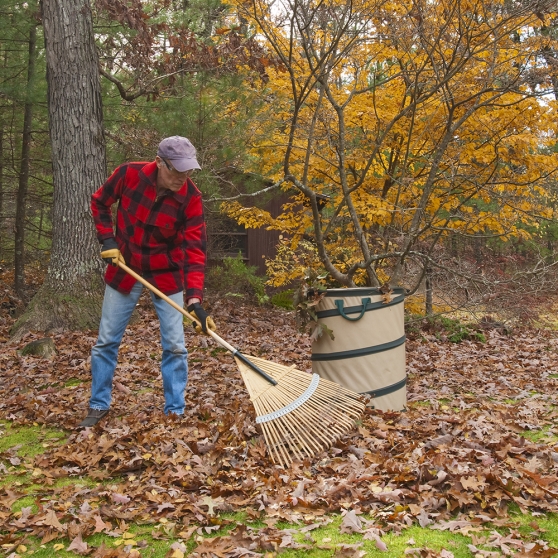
[412, 120]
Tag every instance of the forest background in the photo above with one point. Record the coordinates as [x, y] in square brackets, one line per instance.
[415, 144]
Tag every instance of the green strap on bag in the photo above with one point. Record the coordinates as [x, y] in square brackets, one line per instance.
[339, 304]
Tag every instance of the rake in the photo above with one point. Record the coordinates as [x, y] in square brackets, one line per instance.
[300, 414]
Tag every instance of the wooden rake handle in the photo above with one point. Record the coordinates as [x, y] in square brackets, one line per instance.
[235, 352]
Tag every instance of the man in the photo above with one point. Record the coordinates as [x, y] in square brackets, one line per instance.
[160, 234]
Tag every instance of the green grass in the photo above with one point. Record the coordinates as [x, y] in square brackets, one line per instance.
[419, 404]
[323, 542]
[547, 523]
[146, 545]
[541, 436]
[329, 538]
[217, 351]
[29, 440]
[25, 502]
[73, 382]
[15, 478]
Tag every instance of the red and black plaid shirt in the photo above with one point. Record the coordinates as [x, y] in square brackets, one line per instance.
[162, 238]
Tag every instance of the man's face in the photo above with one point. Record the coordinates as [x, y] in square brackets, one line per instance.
[168, 177]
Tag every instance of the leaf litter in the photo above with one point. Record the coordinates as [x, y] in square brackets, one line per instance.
[455, 460]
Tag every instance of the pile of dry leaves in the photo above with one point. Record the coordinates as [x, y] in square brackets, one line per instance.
[455, 460]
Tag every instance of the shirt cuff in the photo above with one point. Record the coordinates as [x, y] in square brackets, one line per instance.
[194, 293]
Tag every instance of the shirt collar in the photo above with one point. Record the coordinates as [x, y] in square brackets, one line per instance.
[149, 172]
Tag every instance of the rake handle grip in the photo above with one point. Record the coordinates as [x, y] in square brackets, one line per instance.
[217, 338]
[257, 369]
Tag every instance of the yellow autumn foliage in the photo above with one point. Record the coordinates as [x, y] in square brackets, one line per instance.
[414, 120]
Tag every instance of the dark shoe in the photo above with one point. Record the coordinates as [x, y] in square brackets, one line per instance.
[93, 417]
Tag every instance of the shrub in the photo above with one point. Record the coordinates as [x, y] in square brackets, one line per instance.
[454, 330]
[234, 278]
[284, 299]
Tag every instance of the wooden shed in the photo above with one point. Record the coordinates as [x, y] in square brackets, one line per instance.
[226, 238]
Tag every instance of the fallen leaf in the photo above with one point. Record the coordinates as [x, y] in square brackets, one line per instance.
[51, 520]
[78, 545]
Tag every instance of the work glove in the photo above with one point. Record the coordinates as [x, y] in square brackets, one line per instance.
[203, 318]
[110, 252]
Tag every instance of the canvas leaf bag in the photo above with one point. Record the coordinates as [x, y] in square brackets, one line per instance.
[368, 352]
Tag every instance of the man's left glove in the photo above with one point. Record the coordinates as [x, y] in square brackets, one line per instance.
[203, 317]
[110, 252]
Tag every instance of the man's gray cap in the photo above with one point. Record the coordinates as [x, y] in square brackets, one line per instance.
[180, 152]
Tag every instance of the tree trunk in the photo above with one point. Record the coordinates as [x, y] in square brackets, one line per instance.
[1, 189]
[70, 297]
[40, 232]
[21, 198]
[429, 302]
[454, 249]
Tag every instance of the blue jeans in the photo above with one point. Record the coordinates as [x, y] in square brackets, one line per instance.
[117, 310]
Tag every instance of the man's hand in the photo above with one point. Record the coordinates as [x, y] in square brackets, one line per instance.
[203, 318]
[110, 252]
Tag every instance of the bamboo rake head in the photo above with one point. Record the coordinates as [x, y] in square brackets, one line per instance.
[303, 414]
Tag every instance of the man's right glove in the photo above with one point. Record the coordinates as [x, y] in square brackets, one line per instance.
[203, 317]
[110, 252]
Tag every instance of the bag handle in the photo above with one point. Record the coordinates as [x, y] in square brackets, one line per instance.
[339, 304]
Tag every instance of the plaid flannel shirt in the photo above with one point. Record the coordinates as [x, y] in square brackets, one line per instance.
[162, 238]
